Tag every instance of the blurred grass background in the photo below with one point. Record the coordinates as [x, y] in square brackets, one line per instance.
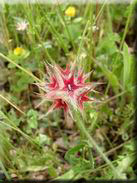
[97, 37]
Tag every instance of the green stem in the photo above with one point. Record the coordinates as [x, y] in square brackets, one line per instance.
[91, 142]
[4, 170]
[21, 68]
[127, 23]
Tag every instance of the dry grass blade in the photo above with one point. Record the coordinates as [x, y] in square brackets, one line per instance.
[12, 104]
[21, 68]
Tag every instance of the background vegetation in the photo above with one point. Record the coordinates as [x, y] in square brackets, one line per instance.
[98, 37]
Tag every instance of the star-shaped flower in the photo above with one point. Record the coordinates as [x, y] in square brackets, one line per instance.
[67, 88]
[22, 25]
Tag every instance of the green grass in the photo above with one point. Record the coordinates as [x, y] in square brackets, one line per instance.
[98, 38]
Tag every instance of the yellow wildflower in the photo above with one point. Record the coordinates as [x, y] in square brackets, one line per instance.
[70, 11]
[18, 51]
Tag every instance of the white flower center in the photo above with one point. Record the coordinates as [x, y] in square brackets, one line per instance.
[69, 87]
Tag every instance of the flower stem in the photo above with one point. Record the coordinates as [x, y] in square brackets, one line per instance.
[91, 142]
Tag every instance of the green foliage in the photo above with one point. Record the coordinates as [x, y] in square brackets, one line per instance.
[70, 156]
[128, 68]
[98, 38]
[43, 140]
[32, 119]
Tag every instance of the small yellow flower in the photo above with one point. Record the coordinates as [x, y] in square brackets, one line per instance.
[70, 11]
[18, 51]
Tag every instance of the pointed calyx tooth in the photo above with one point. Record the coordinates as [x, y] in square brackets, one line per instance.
[67, 88]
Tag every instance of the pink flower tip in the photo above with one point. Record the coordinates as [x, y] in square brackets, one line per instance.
[67, 88]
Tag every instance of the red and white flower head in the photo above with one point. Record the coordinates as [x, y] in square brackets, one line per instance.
[67, 88]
